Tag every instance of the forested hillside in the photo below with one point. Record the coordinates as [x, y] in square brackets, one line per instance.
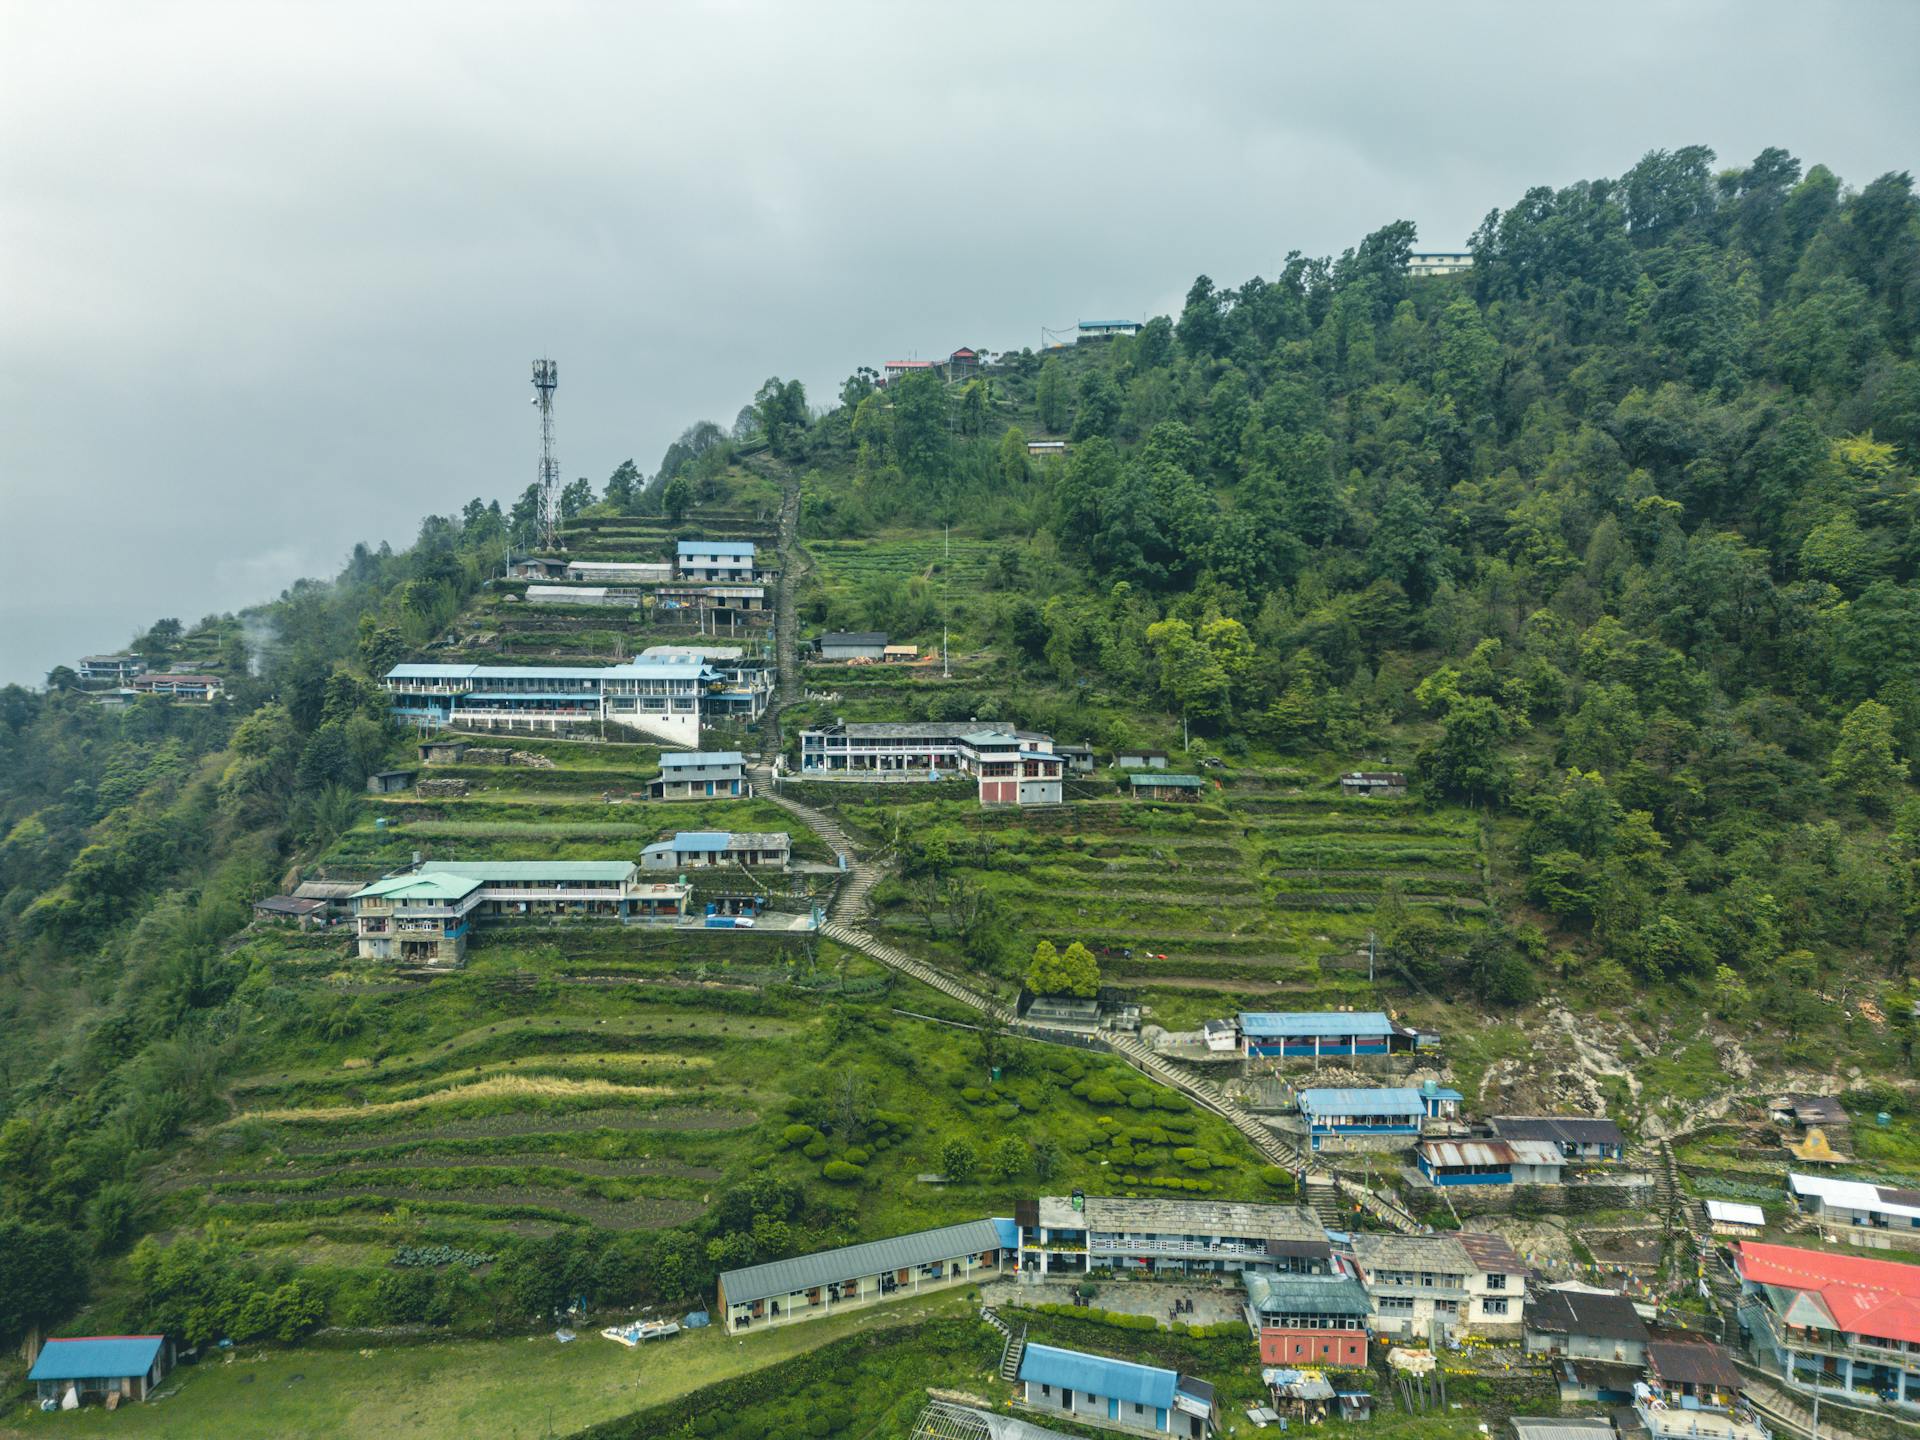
[1612, 544]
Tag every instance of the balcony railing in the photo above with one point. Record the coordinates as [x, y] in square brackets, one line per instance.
[1810, 1342]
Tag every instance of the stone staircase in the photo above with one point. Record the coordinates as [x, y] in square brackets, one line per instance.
[1783, 1410]
[1014, 1347]
[1323, 1198]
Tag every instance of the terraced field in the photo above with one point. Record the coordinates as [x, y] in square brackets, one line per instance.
[1278, 887]
[851, 562]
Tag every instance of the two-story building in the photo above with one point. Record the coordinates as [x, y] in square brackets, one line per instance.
[1439, 262]
[1858, 1212]
[424, 916]
[662, 698]
[701, 775]
[1318, 1035]
[730, 562]
[1011, 767]
[1427, 1285]
[1844, 1324]
[118, 669]
[619, 572]
[1489, 1162]
[808, 1287]
[746, 684]
[703, 849]
[1335, 1113]
[1578, 1323]
[1114, 1394]
[179, 687]
[1308, 1319]
[1071, 1234]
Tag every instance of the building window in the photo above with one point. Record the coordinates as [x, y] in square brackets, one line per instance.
[1496, 1282]
[1494, 1307]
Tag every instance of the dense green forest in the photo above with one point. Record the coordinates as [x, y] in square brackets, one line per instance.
[1616, 539]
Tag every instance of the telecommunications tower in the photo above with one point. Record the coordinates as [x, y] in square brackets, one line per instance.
[546, 377]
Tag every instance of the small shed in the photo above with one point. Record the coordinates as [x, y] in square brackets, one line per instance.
[853, 645]
[900, 654]
[1079, 758]
[1695, 1373]
[335, 897]
[1136, 759]
[1166, 787]
[291, 910]
[443, 752]
[105, 1367]
[1731, 1217]
[1220, 1035]
[1367, 784]
[387, 782]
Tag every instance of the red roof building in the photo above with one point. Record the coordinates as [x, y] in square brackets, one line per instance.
[1840, 1322]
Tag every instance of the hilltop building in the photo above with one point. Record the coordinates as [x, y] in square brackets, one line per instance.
[1104, 329]
[1321, 1034]
[115, 668]
[180, 687]
[726, 561]
[1857, 1212]
[1440, 262]
[1070, 1234]
[423, 916]
[1012, 767]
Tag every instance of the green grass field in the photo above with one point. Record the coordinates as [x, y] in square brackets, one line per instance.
[521, 1389]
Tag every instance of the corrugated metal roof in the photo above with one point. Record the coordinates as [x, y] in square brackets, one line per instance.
[691, 759]
[97, 1357]
[1451, 1153]
[427, 885]
[1546, 1427]
[1733, 1212]
[1162, 777]
[430, 672]
[1361, 1102]
[1307, 1024]
[1099, 1375]
[1567, 1129]
[1609, 1316]
[902, 1252]
[498, 870]
[1306, 1294]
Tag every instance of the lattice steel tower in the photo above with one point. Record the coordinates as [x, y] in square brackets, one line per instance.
[546, 378]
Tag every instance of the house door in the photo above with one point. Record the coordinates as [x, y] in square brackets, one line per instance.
[1196, 1431]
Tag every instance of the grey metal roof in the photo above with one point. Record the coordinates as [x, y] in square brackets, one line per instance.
[1305, 1294]
[1576, 1312]
[901, 1252]
[1552, 1427]
[1566, 1129]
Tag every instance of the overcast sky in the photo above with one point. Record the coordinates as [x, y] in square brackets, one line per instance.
[271, 275]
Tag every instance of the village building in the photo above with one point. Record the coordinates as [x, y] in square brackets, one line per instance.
[291, 910]
[807, 1287]
[1368, 784]
[118, 669]
[423, 916]
[1735, 1217]
[897, 369]
[173, 686]
[1807, 1112]
[1104, 329]
[661, 698]
[838, 645]
[1133, 758]
[443, 752]
[619, 572]
[1439, 262]
[963, 361]
[704, 849]
[582, 595]
[391, 782]
[1157, 785]
[1071, 1234]
[1320, 1034]
[745, 685]
[1846, 1324]
[1221, 1037]
[1011, 767]
[1078, 758]
[1659, 1421]
[1585, 1325]
[1693, 1374]
[727, 561]
[900, 654]
[110, 1368]
[1047, 449]
[1343, 1112]
[536, 567]
[701, 775]
[1308, 1319]
[1489, 1162]
[1580, 1138]
[335, 897]
[1114, 1394]
[1554, 1427]
[1309, 1397]
[1857, 1212]
[1422, 1286]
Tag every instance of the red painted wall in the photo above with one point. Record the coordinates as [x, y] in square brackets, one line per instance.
[1313, 1347]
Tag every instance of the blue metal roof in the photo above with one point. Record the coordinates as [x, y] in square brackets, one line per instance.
[715, 547]
[1307, 1024]
[495, 697]
[430, 672]
[1098, 1375]
[702, 839]
[1009, 1233]
[97, 1357]
[1362, 1102]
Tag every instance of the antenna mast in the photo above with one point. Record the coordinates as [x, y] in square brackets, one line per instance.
[546, 377]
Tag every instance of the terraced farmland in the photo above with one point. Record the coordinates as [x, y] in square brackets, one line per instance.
[851, 562]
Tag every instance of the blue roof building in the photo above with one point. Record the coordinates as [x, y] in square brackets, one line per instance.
[735, 548]
[70, 1371]
[1097, 1390]
[1313, 1034]
[1352, 1111]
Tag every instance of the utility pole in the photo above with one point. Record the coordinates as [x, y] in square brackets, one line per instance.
[1370, 951]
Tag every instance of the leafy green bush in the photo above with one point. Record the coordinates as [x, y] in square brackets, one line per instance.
[840, 1172]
